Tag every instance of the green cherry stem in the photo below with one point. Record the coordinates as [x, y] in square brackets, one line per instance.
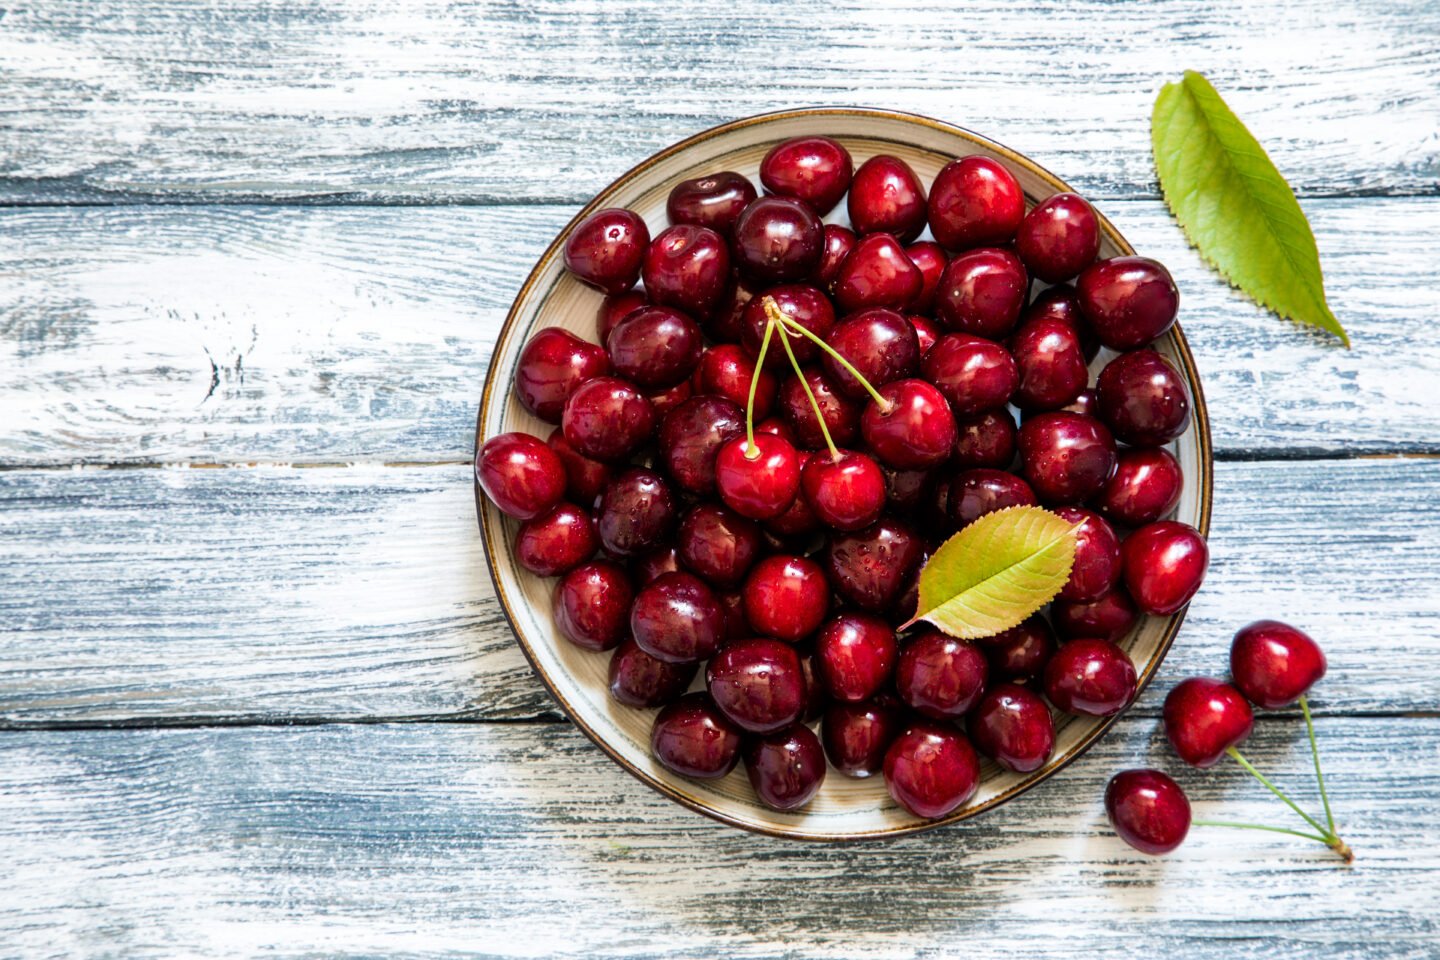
[1240, 759]
[1260, 826]
[1315, 753]
[880, 401]
[776, 316]
[752, 451]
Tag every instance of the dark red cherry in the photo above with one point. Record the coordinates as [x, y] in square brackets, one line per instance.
[726, 323]
[786, 597]
[1145, 486]
[839, 241]
[799, 519]
[1061, 303]
[1096, 569]
[931, 260]
[664, 399]
[887, 197]
[1012, 726]
[877, 273]
[940, 676]
[1128, 301]
[592, 605]
[777, 427]
[854, 656]
[691, 436]
[520, 475]
[974, 202]
[777, 240]
[553, 364]
[1204, 718]
[982, 292]
[655, 347]
[1090, 676]
[558, 540]
[733, 602]
[976, 492]
[907, 491]
[608, 419]
[814, 170]
[1050, 362]
[1274, 664]
[637, 679]
[653, 564]
[1143, 399]
[857, 735]
[1164, 563]
[1085, 402]
[1109, 617]
[846, 491]
[1148, 810]
[869, 568]
[718, 544]
[973, 373]
[804, 304]
[585, 479]
[915, 431]
[758, 683]
[607, 248]
[1067, 457]
[616, 307]
[715, 200]
[728, 371]
[693, 738]
[687, 267]
[985, 441]
[759, 482]
[931, 769]
[676, 618]
[637, 512]
[926, 331]
[842, 414]
[1059, 238]
[879, 343]
[1021, 652]
[786, 767]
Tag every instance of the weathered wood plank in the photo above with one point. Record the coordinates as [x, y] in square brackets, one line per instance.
[261, 333]
[503, 100]
[510, 841]
[280, 593]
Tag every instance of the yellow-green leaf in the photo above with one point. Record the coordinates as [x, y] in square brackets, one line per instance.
[996, 572]
[1233, 204]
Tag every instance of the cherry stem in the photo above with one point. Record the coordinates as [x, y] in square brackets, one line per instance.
[1277, 791]
[1260, 826]
[801, 329]
[752, 451]
[800, 374]
[1315, 753]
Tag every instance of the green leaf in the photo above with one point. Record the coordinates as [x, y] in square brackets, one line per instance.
[1233, 204]
[996, 572]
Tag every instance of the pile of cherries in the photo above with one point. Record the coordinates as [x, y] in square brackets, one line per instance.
[791, 415]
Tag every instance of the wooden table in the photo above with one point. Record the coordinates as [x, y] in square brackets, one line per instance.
[256, 692]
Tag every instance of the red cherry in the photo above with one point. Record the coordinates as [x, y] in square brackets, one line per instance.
[636, 513]
[693, 738]
[985, 441]
[846, 491]
[691, 436]
[759, 684]
[1145, 486]
[664, 399]
[931, 260]
[869, 568]
[802, 303]
[1067, 457]
[520, 475]
[974, 493]
[687, 267]
[1128, 301]
[1148, 810]
[1204, 718]
[1059, 238]
[655, 347]
[799, 520]
[585, 479]
[906, 491]
[1050, 364]
[1274, 664]
[1097, 556]
[886, 196]
[727, 371]
[725, 324]
[637, 679]
[1011, 725]
[880, 343]
[607, 419]
[652, 564]
[676, 618]
[1109, 617]
[607, 248]
[857, 735]
[786, 597]
[718, 544]
[814, 170]
[1091, 677]
[877, 273]
[855, 654]
[973, 373]
[842, 414]
[786, 767]
[592, 605]
[759, 483]
[926, 332]
[974, 202]
[1021, 652]
[715, 200]
[1061, 303]
[777, 239]
[931, 769]
[982, 292]
[616, 307]
[917, 430]
[1164, 563]
[839, 241]
[553, 364]
[939, 676]
[557, 541]
[1143, 399]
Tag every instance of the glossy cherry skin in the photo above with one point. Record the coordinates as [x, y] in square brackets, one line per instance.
[842, 414]
[931, 769]
[637, 679]
[857, 735]
[655, 347]
[664, 399]
[1090, 676]
[1274, 664]
[877, 273]
[814, 170]
[637, 511]
[718, 544]
[799, 521]
[591, 605]
[693, 738]
[869, 568]
[655, 563]
[1109, 617]
[1063, 304]
[1021, 652]
[607, 419]
[1050, 365]
[759, 482]
[887, 197]
[786, 597]
[687, 267]
[879, 343]
[715, 200]
[1164, 563]
[1204, 718]
[974, 202]
[982, 293]
[916, 432]
[1067, 457]
[557, 541]
[691, 436]
[931, 259]
[616, 307]
[973, 373]
[777, 240]
[839, 241]
[1143, 399]
[1012, 726]
[1096, 569]
[1145, 486]
[726, 322]
[758, 683]
[804, 304]
[855, 654]
[939, 676]
[552, 365]
[1059, 238]
[974, 493]
[1148, 810]
[727, 371]
[786, 767]
[520, 474]
[987, 440]
[926, 331]
[585, 479]
[607, 249]
[846, 491]
[1128, 301]
[676, 618]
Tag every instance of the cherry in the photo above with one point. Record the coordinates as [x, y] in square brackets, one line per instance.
[653, 564]
[655, 347]
[985, 441]
[1204, 718]
[879, 343]
[592, 605]
[1110, 617]
[974, 202]
[1061, 303]
[733, 602]
[520, 475]
[693, 738]
[691, 436]
[557, 541]
[982, 292]
[926, 331]
[814, 170]
[726, 323]
[637, 679]
[1164, 563]
[845, 490]
[1143, 399]
[869, 568]
[1011, 725]
[585, 479]
[1067, 457]
[930, 258]
[1128, 301]
[799, 520]
[1274, 664]
[777, 427]
[877, 273]
[607, 419]
[855, 654]
[687, 267]
[839, 241]
[552, 365]
[759, 684]
[718, 544]
[804, 304]
[636, 512]
[616, 307]
[886, 196]
[777, 239]
[857, 735]
[1145, 486]
[786, 597]
[930, 769]
[786, 767]
[1050, 364]
[1090, 676]
[715, 200]
[1148, 810]
[607, 248]
[664, 399]
[1096, 569]
[974, 493]
[676, 618]
[727, 371]
[1021, 652]
[906, 491]
[1086, 402]
[842, 415]
[1059, 238]
[940, 676]
[759, 482]
[915, 431]
[976, 375]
